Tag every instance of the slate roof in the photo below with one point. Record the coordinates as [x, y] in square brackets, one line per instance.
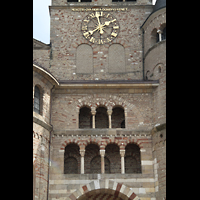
[159, 4]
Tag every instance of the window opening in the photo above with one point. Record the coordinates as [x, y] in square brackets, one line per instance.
[72, 159]
[85, 118]
[132, 159]
[164, 34]
[37, 100]
[112, 153]
[118, 120]
[92, 159]
[101, 118]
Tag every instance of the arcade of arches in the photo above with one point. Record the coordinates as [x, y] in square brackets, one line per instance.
[102, 118]
[111, 161]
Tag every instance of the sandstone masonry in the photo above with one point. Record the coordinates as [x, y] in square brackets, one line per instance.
[100, 129]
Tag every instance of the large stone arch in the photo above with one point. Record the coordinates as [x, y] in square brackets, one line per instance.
[118, 190]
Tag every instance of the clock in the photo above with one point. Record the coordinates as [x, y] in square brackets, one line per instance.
[100, 27]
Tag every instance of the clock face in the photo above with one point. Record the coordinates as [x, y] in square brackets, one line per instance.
[100, 27]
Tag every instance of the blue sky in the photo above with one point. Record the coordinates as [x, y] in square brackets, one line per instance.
[41, 20]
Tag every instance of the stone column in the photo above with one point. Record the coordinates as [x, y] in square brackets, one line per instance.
[93, 118]
[82, 152]
[109, 117]
[102, 153]
[122, 153]
[160, 35]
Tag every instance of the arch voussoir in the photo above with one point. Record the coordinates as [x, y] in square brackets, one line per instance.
[106, 186]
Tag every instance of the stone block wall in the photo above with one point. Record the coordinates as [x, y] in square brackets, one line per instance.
[64, 185]
[42, 57]
[40, 160]
[66, 39]
[41, 136]
[45, 87]
[159, 154]
[155, 64]
[138, 107]
[99, 2]
[155, 22]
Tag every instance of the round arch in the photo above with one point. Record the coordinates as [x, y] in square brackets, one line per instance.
[104, 187]
[109, 102]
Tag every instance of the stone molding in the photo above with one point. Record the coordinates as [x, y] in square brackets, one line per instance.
[120, 190]
[158, 128]
[42, 123]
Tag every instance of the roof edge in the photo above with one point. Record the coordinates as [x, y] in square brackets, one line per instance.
[40, 45]
[46, 73]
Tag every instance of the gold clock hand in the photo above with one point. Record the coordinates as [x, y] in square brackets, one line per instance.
[100, 26]
[91, 32]
[107, 23]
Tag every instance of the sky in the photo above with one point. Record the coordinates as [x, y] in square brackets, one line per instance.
[41, 20]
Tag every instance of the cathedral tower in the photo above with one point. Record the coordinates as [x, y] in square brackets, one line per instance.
[99, 100]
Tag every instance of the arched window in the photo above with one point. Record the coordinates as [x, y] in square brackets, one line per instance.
[101, 118]
[118, 120]
[132, 159]
[71, 165]
[164, 34]
[112, 153]
[107, 165]
[154, 37]
[85, 118]
[72, 159]
[37, 100]
[95, 165]
[92, 159]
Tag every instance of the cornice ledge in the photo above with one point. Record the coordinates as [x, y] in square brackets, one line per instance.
[158, 128]
[42, 123]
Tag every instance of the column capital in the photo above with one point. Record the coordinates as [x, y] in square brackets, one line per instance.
[93, 112]
[122, 152]
[82, 152]
[159, 31]
[102, 152]
[109, 112]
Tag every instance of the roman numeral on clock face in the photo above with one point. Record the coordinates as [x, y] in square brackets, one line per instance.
[92, 39]
[84, 28]
[114, 34]
[86, 34]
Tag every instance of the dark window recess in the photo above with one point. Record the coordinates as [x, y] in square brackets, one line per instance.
[164, 34]
[71, 166]
[37, 100]
[157, 37]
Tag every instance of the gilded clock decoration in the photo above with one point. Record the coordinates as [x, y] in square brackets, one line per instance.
[100, 27]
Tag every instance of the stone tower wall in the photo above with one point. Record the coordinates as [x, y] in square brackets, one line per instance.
[71, 57]
[66, 39]
[155, 69]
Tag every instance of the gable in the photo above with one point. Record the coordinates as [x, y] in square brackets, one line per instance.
[40, 45]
